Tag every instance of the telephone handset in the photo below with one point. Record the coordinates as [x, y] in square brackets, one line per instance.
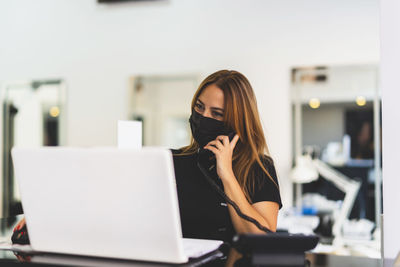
[207, 158]
[206, 163]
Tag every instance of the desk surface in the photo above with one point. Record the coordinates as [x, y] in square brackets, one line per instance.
[217, 259]
[229, 257]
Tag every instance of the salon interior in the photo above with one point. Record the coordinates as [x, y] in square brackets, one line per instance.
[71, 70]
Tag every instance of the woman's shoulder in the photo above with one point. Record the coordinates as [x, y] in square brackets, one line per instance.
[175, 151]
[262, 178]
[266, 184]
[180, 154]
[267, 160]
[268, 164]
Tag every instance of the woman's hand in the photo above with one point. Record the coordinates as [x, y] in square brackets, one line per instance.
[223, 150]
[20, 224]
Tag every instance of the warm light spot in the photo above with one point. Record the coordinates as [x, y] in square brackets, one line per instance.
[314, 103]
[54, 111]
[361, 101]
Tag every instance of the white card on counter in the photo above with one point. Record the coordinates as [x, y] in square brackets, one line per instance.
[130, 134]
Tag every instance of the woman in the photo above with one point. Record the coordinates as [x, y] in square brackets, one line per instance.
[225, 103]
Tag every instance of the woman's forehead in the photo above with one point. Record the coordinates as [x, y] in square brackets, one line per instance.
[212, 96]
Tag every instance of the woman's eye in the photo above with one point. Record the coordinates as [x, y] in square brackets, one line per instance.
[199, 106]
[218, 114]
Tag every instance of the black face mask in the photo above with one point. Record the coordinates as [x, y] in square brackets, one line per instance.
[206, 129]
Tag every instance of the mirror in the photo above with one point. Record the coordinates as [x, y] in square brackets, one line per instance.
[162, 103]
[337, 120]
[33, 115]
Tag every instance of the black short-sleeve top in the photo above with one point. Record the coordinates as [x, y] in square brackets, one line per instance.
[204, 213]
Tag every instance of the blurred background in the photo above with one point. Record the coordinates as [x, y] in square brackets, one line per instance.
[69, 69]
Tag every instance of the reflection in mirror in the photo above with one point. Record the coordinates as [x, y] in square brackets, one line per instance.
[33, 116]
[162, 103]
[337, 121]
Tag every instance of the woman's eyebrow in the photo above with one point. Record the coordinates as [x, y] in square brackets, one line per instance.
[214, 108]
[201, 102]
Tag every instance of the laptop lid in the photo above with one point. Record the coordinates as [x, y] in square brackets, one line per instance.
[107, 202]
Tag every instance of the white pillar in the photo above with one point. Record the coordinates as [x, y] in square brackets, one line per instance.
[390, 84]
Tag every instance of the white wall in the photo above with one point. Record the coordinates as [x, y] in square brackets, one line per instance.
[97, 47]
[390, 25]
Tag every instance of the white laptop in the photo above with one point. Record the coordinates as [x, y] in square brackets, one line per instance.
[107, 202]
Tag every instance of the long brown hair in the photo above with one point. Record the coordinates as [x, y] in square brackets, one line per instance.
[241, 115]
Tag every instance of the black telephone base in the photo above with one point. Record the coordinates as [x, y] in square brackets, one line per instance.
[275, 249]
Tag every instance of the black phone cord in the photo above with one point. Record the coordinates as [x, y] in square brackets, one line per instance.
[231, 202]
